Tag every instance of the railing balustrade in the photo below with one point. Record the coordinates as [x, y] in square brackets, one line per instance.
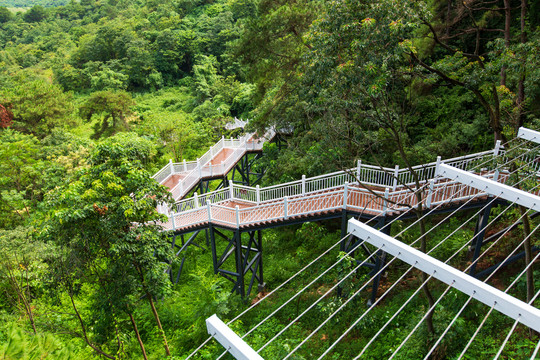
[324, 193]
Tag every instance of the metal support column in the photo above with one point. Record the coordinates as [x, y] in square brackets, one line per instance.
[247, 258]
[379, 262]
[478, 239]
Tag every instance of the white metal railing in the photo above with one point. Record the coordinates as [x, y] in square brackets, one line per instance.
[216, 208]
[191, 172]
[343, 189]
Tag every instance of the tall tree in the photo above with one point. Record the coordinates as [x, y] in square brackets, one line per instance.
[109, 110]
[107, 230]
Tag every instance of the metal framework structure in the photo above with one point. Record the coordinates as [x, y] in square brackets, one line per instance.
[475, 181]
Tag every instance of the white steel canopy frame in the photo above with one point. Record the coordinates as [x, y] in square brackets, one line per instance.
[528, 134]
[230, 341]
[506, 304]
[489, 186]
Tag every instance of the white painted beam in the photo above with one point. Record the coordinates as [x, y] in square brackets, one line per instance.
[230, 341]
[529, 135]
[489, 186]
[506, 304]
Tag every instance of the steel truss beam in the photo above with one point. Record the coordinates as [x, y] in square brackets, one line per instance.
[182, 247]
[528, 134]
[244, 166]
[489, 186]
[506, 304]
[247, 258]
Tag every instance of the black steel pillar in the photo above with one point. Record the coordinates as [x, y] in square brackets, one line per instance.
[247, 258]
[380, 260]
[478, 239]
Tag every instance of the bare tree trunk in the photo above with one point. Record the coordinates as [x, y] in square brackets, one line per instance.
[521, 84]
[141, 344]
[423, 248]
[22, 294]
[154, 310]
[507, 24]
[83, 328]
[156, 316]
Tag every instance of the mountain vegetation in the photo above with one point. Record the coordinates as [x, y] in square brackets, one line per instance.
[98, 95]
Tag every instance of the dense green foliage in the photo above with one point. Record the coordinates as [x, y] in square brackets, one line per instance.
[97, 95]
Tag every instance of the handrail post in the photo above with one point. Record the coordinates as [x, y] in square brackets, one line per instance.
[196, 200]
[385, 203]
[345, 194]
[199, 166]
[437, 164]
[285, 212]
[429, 198]
[173, 223]
[497, 148]
[171, 166]
[209, 209]
[358, 170]
[231, 189]
[237, 216]
[258, 190]
[396, 173]
[185, 166]
[303, 184]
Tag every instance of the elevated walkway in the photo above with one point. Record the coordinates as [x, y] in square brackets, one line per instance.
[217, 162]
[366, 191]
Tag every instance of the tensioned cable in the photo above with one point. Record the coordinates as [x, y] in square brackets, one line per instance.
[365, 313]
[397, 281]
[442, 203]
[536, 350]
[468, 267]
[315, 303]
[531, 302]
[498, 267]
[346, 302]
[420, 322]
[273, 313]
[260, 323]
[447, 289]
[301, 271]
[375, 275]
[448, 259]
[514, 327]
[273, 291]
[390, 320]
[470, 298]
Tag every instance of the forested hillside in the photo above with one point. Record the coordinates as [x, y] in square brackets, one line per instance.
[98, 95]
[31, 3]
